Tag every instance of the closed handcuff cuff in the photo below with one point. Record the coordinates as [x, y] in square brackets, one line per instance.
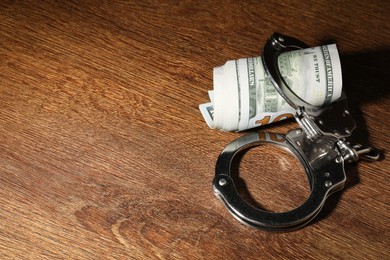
[319, 144]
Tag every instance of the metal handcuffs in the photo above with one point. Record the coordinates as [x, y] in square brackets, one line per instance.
[320, 145]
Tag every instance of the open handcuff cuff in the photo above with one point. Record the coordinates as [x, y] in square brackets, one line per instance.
[320, 145]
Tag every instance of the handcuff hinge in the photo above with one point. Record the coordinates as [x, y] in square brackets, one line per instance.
[347, 152]
[356, 152]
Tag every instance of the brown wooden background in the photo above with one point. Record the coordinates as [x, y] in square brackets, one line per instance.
[104, 153]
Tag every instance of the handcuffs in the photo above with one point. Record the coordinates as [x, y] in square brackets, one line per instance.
[319, 144]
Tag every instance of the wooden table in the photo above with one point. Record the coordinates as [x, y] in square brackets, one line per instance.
[104, 153]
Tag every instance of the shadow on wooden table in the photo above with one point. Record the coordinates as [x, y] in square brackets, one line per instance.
[365, 78]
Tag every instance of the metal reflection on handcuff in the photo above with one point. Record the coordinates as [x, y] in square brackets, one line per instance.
[320, 145]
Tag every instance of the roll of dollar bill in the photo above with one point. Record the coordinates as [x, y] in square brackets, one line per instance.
[244, 97]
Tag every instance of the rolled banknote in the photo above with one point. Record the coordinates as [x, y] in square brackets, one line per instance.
[244, 97]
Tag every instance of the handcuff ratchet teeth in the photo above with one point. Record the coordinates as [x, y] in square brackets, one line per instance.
[319, 144]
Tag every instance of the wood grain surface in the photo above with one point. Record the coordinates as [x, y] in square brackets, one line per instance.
[105, 155]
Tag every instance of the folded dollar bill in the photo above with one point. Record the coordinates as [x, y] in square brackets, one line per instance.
[244, 97]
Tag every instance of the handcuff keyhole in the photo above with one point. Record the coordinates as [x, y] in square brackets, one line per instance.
[270, 178]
